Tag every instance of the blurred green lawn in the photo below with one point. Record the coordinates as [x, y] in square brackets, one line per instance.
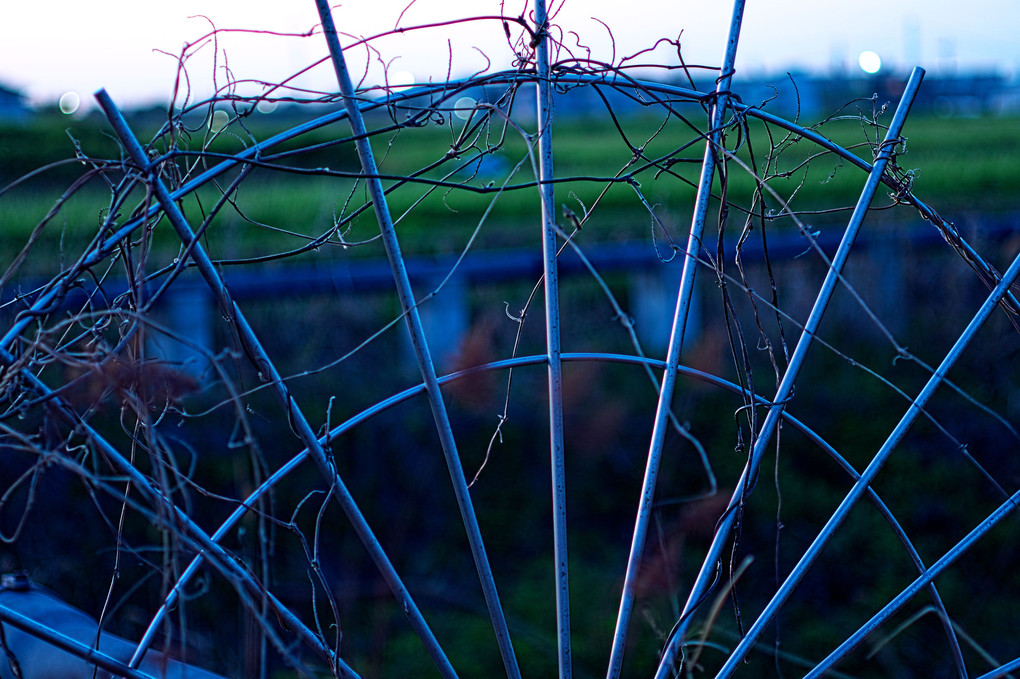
[959, 165]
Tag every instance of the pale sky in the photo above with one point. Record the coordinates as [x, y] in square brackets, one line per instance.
[48, 48]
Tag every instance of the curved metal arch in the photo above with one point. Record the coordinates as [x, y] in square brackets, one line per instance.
[56, 293]
[523, 361]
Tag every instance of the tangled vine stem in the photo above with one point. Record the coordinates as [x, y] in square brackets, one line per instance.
[192, 461]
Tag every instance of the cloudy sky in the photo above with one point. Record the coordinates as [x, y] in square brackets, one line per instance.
[128, 46]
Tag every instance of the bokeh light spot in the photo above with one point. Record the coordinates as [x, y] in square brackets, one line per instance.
[69, 102]
[219, 121]
[870, 62]
[464, 107]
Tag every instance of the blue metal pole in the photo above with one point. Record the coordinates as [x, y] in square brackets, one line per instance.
[940, 566]
[786, 385]
[269, 373]
[552, 337]
[868, 475]
[72, 646]
[418, 340]
[683, 305]
[192, 569]
[1002, 670]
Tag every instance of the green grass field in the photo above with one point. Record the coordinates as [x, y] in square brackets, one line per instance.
[959, 165]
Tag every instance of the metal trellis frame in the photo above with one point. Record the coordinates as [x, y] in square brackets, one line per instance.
[539, 70]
